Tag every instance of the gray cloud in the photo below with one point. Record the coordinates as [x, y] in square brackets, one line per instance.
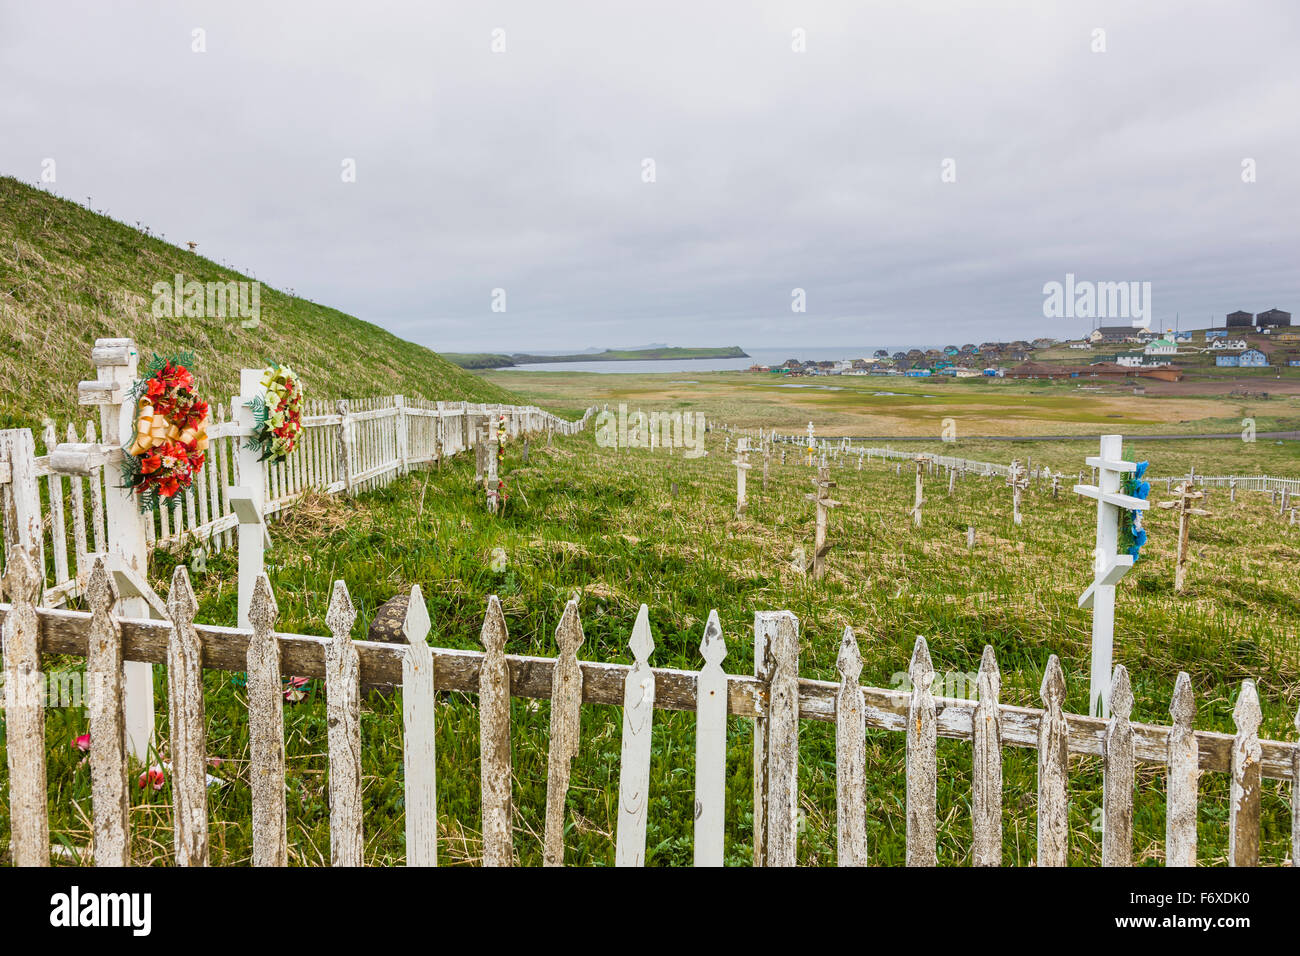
[775, 170]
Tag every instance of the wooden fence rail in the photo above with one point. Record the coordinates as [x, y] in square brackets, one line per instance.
[55, 501]
[775, 698]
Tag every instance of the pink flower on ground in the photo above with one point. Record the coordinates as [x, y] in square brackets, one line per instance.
[82, 743]
[154, 776]
[294, 691]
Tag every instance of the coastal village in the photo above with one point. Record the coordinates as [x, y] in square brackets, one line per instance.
[1262, 343]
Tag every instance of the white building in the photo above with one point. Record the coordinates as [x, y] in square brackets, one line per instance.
[1227, 345]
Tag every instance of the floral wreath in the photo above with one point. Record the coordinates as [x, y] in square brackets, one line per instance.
[277, 417]
[169, 440]
[1132, 536]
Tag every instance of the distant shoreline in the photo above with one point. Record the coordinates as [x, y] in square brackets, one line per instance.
[486, 360]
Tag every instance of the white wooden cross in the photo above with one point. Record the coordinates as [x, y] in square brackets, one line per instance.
[920, 461]
[741, 461]
[1018, 479]
[812, 444]
[1108, 566]
[117, 364]
[1185, 510]
[824, 503]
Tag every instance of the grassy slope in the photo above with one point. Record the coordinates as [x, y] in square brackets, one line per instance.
[612, 526]
[69, 276]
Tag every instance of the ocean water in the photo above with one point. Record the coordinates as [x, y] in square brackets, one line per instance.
[756, 357]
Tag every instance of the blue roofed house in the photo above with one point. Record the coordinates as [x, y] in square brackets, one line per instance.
[1252, 358]
[1227, 361]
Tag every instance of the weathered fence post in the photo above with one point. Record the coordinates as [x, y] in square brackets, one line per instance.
[922, 778]
[419, 753]
[343, 710]
[23, 694]
[781, 629]
[20, 496]
[402, 439]
[566, 703]
[1117, 790]
[1295, 799]
[850, 757]
[188, 731]
[266, 731]
[1053, 770]
[1184, 770]
[711, 747]
[986, 802]
[493, 481]
[634, 762]
[110, 803]
[1243, 806]
[494, 739]
[343, 445]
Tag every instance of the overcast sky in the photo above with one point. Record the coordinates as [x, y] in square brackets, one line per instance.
[822, 170]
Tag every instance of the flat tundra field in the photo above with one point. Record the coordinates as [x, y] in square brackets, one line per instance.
[623, 527]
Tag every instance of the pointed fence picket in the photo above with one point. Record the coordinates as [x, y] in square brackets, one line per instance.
[775, 699]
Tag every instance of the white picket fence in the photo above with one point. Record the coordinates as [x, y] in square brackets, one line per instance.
[347, 446]
[775, 698]
[1264, 483]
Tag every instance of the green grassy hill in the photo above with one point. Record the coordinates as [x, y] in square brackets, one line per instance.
[69, 276]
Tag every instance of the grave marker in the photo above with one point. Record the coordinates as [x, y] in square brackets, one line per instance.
[741, 461]
[824, 503]
[1108, 566]
[1185, 510]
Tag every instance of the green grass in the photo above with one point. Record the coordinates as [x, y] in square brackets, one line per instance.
[69, 276]
[612, 527]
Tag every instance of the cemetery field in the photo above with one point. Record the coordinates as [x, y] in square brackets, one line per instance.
[625, 527]
[861, 405]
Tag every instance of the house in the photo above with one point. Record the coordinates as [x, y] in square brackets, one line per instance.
[1039, 370]
[1161, 347]
[1252, 358]
[1215, 334]
[951, 351]
[917, 373]
[1240, 320]
[1183, 338]
[1081, 345]
[963, 372]
[1117, 333]
[969, 349]
[1227, 361]
[1227, 345]
[880, 353]
[1273, 317]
